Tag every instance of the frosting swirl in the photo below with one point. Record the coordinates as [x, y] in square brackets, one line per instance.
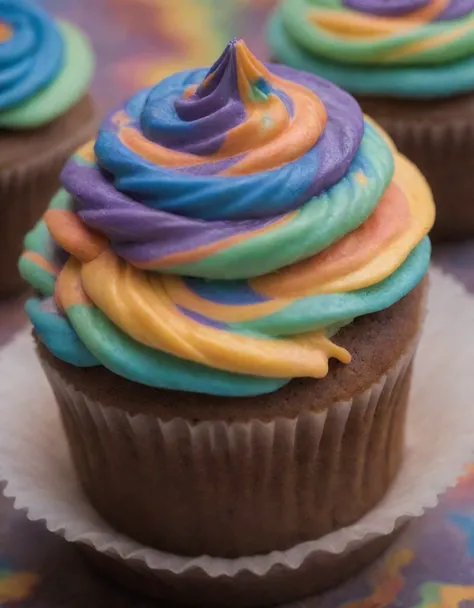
[36, 59]
[429, 10]
[207, 153]
[405, 47]
[199, 220]
[172, 259]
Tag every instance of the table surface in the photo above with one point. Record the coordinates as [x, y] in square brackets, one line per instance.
[432, 564]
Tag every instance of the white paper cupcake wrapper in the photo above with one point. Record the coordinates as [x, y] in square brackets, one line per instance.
[35, 462]
[347, 457]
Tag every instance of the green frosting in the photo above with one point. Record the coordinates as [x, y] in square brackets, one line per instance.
[438, 62]
[67, 89]
[441, 44]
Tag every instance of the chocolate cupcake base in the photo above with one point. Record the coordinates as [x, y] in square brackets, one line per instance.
[438, 137]
[196, 474]
[30, 164]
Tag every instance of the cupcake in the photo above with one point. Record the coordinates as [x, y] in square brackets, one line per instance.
[410, 64]
[232, 284]
[45, 114]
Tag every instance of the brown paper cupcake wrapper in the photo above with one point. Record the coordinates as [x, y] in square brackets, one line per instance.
[438, 137]
[233, 488]
[26, 190]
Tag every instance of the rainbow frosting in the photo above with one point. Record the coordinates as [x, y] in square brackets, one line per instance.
[403, 48]
[45, 67]
[223, 227]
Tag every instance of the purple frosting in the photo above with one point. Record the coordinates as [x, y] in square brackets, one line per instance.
[197, 124]
[456, 9]
[136, 231]
[141, 233]
[386, 8]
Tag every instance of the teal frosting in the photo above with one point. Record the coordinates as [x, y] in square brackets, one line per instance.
[86, 337]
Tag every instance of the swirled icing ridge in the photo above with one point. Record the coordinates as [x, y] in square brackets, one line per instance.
[170, 241]
[237, 119]
[406, 47]
[420, 9]
[36, 58]
[282, 143]
[31, 51]
[239, 296]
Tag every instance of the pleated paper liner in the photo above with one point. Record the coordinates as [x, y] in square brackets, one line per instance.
[35, 462]
[438, 136]
[236, 488]
[277, 587]
[30, 164]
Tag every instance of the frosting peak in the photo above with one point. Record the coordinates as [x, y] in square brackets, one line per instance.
[203, 113]
[239, 108]
[239, 120]
[170, 147]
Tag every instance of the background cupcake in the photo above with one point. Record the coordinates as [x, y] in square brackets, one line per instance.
[45, 114]
[411, 65]
[231, 232]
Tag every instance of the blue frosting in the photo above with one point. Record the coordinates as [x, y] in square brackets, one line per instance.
[200, 192]
[32, 57]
